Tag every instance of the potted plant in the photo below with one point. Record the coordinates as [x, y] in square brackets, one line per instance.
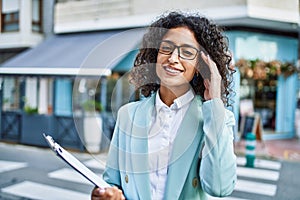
[30, 110]
[92, 106]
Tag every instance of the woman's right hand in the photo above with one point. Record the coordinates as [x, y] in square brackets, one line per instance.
[111, 193]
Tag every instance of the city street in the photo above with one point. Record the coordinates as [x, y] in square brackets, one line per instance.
[68, 66]
[36, 173]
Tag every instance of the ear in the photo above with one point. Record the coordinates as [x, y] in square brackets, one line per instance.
[196, 77]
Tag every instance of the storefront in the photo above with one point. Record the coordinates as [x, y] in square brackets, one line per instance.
[49, 88]
[269, 80]
[64, 83]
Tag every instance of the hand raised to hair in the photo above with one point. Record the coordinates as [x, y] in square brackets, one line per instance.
[212, 85]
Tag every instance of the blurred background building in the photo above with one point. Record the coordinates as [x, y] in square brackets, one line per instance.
[57, 57]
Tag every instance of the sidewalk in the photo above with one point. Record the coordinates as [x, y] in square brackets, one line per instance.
[285, 149]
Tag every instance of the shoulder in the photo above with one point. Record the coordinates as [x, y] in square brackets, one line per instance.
[133, 106]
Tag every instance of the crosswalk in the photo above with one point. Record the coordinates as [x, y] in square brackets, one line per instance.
[261, 180]
[34, 190]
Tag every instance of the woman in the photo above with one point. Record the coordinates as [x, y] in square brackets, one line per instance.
[178, 142]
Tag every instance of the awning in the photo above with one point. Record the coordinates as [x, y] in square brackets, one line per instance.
[91, 54]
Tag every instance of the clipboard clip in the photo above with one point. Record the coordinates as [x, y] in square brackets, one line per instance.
[52, 143]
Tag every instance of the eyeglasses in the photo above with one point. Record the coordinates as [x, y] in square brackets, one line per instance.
[186, 52]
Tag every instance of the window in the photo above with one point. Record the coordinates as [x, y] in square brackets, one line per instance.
[119, 91]
[63, 97]
[260, 96]
[110, 92]
[86, 95]
[37, 15]
[11, 94]
[38, 95]
[9, 15]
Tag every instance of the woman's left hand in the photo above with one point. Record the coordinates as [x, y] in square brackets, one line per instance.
[212, 85]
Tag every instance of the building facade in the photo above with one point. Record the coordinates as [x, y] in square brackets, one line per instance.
[257, 30]
[84, 49]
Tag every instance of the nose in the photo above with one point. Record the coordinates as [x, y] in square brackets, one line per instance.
[174, 57]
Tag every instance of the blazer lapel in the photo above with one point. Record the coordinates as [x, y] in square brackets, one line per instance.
[139, 147]
[186, 144]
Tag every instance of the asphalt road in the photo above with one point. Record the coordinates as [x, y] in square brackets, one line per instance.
[36, 173]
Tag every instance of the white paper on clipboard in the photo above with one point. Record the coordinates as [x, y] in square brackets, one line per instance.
[75, 163]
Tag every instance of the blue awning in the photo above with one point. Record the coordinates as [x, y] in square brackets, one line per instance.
[92, 54]
[126, 63]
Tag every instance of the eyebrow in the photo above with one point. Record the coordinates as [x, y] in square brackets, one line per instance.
[184, 45]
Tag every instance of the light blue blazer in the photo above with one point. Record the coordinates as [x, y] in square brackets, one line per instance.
[192, 171]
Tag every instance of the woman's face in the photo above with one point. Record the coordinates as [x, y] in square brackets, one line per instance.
[172, 69]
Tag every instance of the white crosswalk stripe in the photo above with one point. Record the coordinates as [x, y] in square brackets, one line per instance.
[96, 164]
[258, 173]
[69, 174]
[33, 190]
[256, 187]
[261, 163]
[10, 165]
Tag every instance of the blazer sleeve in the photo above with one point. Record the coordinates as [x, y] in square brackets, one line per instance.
[218, 164]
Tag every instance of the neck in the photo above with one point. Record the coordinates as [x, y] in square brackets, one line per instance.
[168, 95]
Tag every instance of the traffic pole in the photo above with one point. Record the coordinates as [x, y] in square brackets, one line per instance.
[250, 149]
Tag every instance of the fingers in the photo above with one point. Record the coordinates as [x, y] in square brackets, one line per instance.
[206, 83]
[211, 64]
[112, 193]
[214, 72]
[96, 194]
[212, 83]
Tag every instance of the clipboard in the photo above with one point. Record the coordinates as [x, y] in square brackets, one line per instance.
[75, 163]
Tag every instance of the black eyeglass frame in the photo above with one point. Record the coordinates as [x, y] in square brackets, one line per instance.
[178, 49]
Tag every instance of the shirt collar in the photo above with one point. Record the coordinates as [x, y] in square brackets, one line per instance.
[178, 102]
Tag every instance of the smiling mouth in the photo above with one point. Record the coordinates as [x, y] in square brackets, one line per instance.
[173, 70]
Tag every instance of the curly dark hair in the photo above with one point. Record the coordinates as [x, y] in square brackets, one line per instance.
[209, 36]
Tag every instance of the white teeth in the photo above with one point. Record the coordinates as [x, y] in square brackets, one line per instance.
[172, 70]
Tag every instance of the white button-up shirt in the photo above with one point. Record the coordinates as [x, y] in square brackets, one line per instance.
[165, 124]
